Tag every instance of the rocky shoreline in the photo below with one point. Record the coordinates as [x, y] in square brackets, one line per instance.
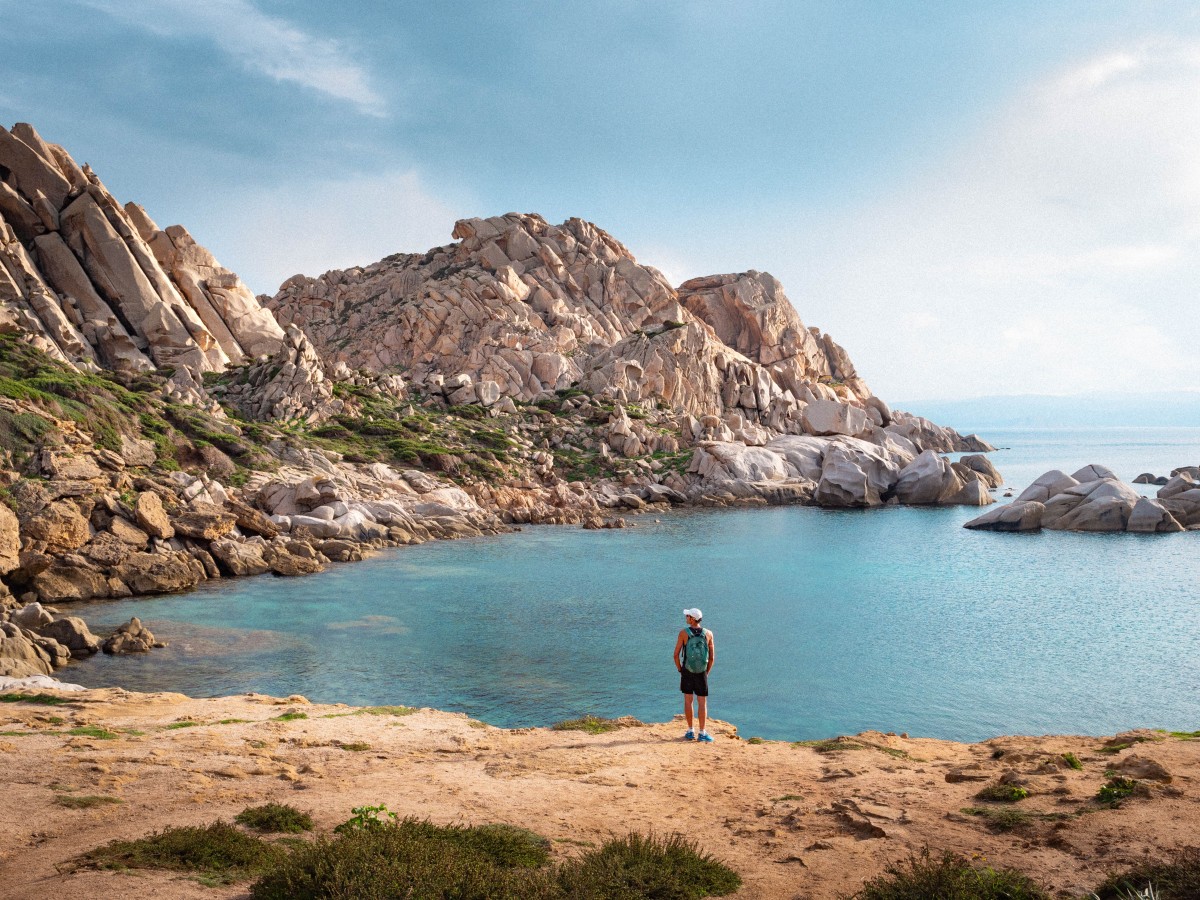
[810, 818]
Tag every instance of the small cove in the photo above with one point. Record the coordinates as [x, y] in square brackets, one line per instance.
[826, 621]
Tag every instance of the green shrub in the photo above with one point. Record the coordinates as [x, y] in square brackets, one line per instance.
[830, 745]
[275, 818]
[948, 877]
[291, 716]
[670, 868]
[217, 849]
[1002, 793]
[590, 724]
[1072, 761]
[1175, 878]
[411, 858]
[1116, 790]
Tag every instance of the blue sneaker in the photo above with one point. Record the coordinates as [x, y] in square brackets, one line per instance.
[690, 736]
[705, 738]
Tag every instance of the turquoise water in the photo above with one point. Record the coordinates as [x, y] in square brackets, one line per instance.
[826, 622]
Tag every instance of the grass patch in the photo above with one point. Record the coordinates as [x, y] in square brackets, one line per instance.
[1185, 735]
[590, 724]
[38, 699]
[232, 721]
[1175, 878]
[830, 745]
[948, 876]
[356, 747]
[1005, 820]
[1115, 790]
[1072, 761]
[755, 740]
[176, 725]
[93, 731]
[386, 711]
[275, 818]
[219, 851]
[1002, 793]
[291, 716]
[786, 797]
[85, 802]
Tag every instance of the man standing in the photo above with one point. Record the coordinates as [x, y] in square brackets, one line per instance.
[694, 656]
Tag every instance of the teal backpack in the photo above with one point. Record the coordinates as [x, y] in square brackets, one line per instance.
[695, 652]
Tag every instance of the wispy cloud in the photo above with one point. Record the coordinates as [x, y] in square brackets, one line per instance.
[258, 42]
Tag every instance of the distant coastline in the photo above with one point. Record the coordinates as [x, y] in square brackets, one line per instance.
[979, 414]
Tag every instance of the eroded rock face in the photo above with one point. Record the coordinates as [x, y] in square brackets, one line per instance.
[97, 284]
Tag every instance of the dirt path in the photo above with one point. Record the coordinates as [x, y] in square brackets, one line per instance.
[794, 821]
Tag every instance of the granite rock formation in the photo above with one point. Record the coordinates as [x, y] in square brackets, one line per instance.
[1094, 499]
[97, 284]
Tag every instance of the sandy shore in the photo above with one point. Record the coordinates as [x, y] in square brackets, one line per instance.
[794, 821]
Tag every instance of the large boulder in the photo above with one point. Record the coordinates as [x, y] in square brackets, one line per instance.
[1151, 517]
[238, 557]
[1048, 485]
[132, 637]
[1177, 484]
[66, 581]
[73, 633]
[204, 522]
[1020, 515]
[20, 657]
[1102, 505]
[151, 517]
[854, 474]
[61, 527]
[1185, 507]
[928, 479]
[979, 463]
[160, 573]
[10, 540]
[828, 417]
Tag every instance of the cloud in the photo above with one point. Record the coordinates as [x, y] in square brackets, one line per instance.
[260, 43]
[310, 227]
[1055, 249]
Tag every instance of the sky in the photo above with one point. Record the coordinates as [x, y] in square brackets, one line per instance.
[973, 198]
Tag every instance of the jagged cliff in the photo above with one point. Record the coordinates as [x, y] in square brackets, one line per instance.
[528, 308]
[96, 284]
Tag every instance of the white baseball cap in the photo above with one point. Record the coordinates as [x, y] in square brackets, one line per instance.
[693, 613]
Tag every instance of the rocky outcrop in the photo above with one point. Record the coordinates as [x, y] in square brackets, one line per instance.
[520, 309]
[96, 284]
[132, 637]
[1094, 499]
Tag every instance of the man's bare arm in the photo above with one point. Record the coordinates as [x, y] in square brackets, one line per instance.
[678, 646]
[712, 653]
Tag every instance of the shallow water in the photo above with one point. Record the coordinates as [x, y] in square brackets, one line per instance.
[826, 622]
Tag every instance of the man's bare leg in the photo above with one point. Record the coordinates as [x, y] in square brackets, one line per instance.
[703, 704]
[687, 709]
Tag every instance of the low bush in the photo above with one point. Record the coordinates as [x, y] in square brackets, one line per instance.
[1175, 878]
[590, 724]
[39, 699]
[948, 877]
[217, 849]
[1002, 793]
[275, 818]
[670, 868]
[411, 858]
[1115, 790]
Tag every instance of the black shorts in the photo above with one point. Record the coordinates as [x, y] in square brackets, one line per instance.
[694, 683]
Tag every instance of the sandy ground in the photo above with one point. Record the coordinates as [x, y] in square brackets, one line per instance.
[796, 823]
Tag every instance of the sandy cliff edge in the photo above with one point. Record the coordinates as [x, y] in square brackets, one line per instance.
[795, 821]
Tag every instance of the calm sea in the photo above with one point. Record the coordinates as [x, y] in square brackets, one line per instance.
[826, 622]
